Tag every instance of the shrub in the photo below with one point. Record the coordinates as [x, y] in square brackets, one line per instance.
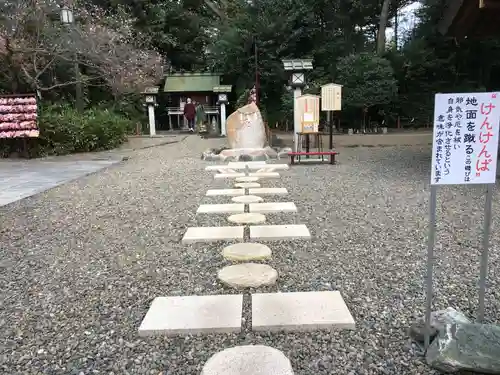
[63, 130]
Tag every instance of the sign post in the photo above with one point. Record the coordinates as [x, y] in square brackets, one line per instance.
[150, 94]
[331, 100]
[464, 152]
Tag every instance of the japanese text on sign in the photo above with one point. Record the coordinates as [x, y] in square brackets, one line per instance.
[465, 139]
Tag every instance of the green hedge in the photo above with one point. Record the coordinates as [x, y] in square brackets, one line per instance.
[63, 130]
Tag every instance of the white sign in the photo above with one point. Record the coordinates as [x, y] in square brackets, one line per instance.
[308, 117]
[465, 139]
[331, 97]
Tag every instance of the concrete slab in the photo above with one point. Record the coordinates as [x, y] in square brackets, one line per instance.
[247, 218]
[243, 164]
[273, 207]
[212, 234]
[268, 191]
[279, 232]
[24, 178]
[264, 174]
[247, 179]
[228, 175]
[219, 168]
[247, 199]
[247, 185]
[300, 311]
[227, 192]
[169, 316]
[260, 167]
[221, 208]
[277, 167]
[227, 170]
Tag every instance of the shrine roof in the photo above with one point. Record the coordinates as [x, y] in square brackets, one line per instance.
[471, 18]
[191, 82]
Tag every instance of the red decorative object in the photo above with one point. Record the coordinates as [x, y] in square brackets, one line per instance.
[18, 116]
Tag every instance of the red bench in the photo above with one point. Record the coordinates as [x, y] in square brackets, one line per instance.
[292, 155]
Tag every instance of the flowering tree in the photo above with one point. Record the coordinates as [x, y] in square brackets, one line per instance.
[40, 51]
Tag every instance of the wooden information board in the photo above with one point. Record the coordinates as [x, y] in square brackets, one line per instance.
[308, 111]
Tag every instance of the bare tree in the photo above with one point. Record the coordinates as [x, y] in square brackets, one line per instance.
[40, 49]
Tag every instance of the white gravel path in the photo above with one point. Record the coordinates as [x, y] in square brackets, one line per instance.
[80, 264]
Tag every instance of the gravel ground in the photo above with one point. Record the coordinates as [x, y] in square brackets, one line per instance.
[81, 263]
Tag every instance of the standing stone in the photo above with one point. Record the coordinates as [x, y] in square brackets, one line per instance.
[466, 347]
[245, 128]
[248, 360]
[439, 320]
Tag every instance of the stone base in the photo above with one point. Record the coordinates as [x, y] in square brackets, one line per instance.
[245, 154]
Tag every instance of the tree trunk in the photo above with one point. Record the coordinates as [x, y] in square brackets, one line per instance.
[396, 25]
[215, 9]
[384, 16]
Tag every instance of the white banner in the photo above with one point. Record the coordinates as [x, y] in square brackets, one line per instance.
[465, 139]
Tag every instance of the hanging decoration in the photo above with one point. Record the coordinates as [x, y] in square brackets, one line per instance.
[18, 116]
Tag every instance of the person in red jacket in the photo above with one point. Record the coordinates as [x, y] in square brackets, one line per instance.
[190, 114]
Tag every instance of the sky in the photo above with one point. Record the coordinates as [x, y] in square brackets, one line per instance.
[406, 20]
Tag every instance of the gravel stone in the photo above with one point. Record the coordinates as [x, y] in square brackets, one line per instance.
[81, 263]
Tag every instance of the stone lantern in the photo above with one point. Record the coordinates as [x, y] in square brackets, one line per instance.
[296, 69]
[222, 100]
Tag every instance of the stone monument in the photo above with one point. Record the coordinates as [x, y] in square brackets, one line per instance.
[246, 136]
[245, 128]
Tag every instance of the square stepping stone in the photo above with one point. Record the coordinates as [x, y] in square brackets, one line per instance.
[211, 234]
[267, 191]
[227, 192]
[264, 174]
[169, 316]
[221, 208]
[273, 207]
[279, 232]
[300, 311]
[228, 175]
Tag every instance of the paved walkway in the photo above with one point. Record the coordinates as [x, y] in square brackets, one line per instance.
[22, 179]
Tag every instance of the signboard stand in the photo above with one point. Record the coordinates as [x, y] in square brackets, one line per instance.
[430, 263]
[464, 152]
[331, 100]
[483, 273]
